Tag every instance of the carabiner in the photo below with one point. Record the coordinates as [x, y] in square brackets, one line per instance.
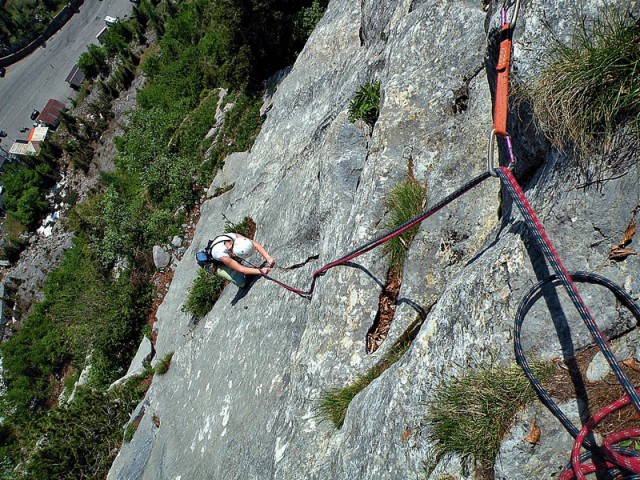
[514, 15]
[491, 151]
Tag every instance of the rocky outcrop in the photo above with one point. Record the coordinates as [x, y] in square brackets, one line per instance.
[239, 401]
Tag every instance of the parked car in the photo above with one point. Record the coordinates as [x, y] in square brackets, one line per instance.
[3, 70]
[110, 20]
[3, 134]
[34, 114]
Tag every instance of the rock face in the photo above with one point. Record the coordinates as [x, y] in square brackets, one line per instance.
[239, 401]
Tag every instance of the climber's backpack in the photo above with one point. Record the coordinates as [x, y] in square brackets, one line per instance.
[204, 258]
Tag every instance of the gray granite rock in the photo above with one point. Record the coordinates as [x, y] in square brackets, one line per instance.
[139, 363]
[240, 399]
[235, 165]
[176, 241]
[522, 460]
[161, 257]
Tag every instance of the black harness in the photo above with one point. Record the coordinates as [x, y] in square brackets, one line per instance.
[204, 258]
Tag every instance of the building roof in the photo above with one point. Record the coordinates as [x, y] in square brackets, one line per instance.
[50, 115]
[24, 147]
[75, 77]
[38, 134]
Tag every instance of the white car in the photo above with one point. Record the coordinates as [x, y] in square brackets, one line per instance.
[110, 20]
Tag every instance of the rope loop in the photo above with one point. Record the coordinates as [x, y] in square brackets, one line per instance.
[616, 456]
[566, 280]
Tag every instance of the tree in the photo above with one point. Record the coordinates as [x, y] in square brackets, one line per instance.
[93, 61]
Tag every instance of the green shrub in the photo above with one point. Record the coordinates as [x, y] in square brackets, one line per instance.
[93, 61]
[129, 432]
[163, 365]
[405, 201]
[30, 357]
[203, 293]
[82, 312]
[592, 83]
[22, 22]
[81, 440]
[469, 415]
[13, 230]
[366, 104]
[310, 16]
[189, 137]
[80, 153]
[24, 196]
[7, 468]
[333, 403]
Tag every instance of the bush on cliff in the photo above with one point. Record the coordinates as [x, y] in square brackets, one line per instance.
[366, 104]
[590, 86]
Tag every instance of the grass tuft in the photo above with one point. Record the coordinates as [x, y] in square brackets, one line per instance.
[471, 414]
[333, 403]
[592, 83]
[163, 365]
[405, 201]
[246, 227]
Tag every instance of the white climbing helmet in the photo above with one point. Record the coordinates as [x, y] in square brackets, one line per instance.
[242, 247]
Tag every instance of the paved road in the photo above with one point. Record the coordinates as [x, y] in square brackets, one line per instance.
[32, 81]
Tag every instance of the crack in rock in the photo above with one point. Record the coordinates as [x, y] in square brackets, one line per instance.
[301, 264]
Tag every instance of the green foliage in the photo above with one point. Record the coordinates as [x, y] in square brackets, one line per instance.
[12, 231]
[7, 468]
[591, 85]
[116, 39]
[114, 235]
[630, 443]
[163, 365]
[177, 83]
[254, 39]
[333, 404]
[405, 201]
[82, 312]
[24, 195]
[203, 293]
[93, 61]
[129, 432]
[366, 104]
[36, 352]
[80, 153]
[22, 22]
[189, 137]
[81, 440]
[470, 415]
[310, 16]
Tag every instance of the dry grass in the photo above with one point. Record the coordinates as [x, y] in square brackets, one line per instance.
[571, 376]
[469, 415]
[333, 403]
[591, 86]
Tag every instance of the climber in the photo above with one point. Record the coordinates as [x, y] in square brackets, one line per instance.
[226, 253]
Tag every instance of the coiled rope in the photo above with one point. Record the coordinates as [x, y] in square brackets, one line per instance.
[616, 457]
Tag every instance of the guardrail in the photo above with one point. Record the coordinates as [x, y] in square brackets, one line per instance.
[56, 24]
